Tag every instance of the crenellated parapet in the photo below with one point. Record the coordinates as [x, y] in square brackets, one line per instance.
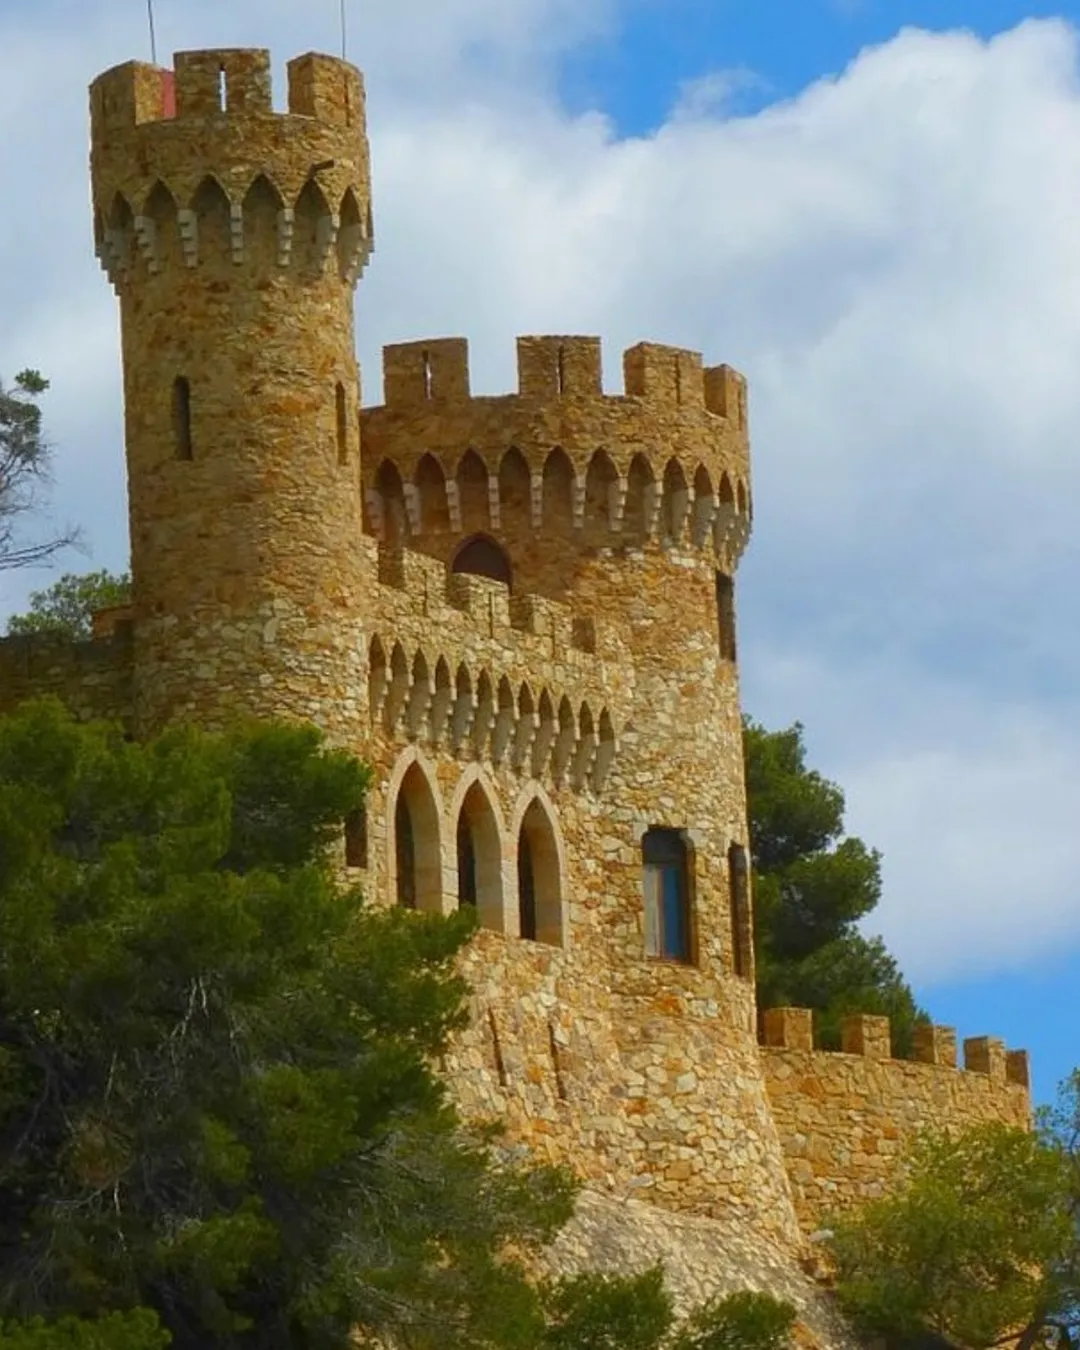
[455, 662]
[193, 168]
[666, 461]
[845, 1118]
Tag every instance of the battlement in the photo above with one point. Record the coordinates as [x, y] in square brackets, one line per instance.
[225, 82]
[437, 369]
[845, 1118]
[870, 1037]
[193, 165]
[668, 459]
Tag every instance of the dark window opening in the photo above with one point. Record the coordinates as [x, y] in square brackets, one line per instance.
[678, 381]
[742, 937]
[560, 371]
[667, 894]
[482, 557]
[342, 425]
[466, 862]
[405, 852]
[181, 411]
[356, 848]
[526, 889]
[725, 615]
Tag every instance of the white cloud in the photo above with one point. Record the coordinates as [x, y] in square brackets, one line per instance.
[891, 257]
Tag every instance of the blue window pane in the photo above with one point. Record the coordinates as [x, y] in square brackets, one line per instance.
[675, 935]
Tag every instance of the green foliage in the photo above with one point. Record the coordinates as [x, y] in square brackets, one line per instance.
[24, 469]
[66, 608]
[811, 887]
[635, 1312]
[743, 1321]
[981, 1243]
[602, 1312]
[216, 1099]
[138, 1330]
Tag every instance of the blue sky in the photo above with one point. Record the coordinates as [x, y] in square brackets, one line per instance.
[870, 208]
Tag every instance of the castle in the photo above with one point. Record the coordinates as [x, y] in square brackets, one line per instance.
[520, 610]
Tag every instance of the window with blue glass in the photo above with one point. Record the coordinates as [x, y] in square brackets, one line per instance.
[665, 876]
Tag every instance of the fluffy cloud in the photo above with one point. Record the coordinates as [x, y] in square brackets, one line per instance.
[890, 257]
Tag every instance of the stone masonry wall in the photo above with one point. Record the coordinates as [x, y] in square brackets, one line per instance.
[93, 678]
[845, 1118]
[233, 235]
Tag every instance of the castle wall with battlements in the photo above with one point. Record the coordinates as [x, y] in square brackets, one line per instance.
[846, 1118]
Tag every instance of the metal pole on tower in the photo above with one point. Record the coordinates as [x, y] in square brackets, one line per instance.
[343, 30]
[153, 38]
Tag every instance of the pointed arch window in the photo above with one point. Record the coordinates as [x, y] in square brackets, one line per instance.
[666, 885]
[405, 851]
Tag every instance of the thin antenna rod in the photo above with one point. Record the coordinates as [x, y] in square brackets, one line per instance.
[343, 30]
[153, 38]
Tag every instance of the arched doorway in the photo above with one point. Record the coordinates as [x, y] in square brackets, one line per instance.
[481, 556]
[539, 872]
[417, 852]
[479, 854]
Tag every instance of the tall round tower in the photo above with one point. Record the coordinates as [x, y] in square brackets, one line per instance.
[234, 235]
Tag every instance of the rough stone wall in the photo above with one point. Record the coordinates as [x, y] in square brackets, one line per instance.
[702, 1257]
[93, 678]
[233, 236]
[845, 1118]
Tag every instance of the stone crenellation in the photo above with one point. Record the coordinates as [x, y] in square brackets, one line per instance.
[666, 461]
[844, 1117]
[520, 610]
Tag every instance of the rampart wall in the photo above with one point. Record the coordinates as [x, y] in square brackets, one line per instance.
[845, 1118]
[92, 678]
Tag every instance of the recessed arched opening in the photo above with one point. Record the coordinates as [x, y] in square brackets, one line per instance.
[431, 492]
[558, 490]
[515, 494]
[473, 492]
[417, 851]
[481, 556]
[601, 481]
[539, 878]
[640, 494]
[479, 857]
[666, 886]
[391, 493]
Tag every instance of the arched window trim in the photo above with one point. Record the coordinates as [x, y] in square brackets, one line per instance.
[413, 788]
[537, 832]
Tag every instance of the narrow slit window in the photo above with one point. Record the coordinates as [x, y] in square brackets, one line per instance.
[427, 374]
[181, 411]
[223, 89]
[678, 381]
[356, 841]
[725, 615]
[342, 413]
[742, 938]
[560, 371]
[666, 886]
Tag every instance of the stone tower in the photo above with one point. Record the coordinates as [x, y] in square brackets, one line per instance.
[234, 235]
